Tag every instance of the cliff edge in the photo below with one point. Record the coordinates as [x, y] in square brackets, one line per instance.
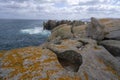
[83, 52]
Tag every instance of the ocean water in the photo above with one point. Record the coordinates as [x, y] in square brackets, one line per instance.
[21, 33]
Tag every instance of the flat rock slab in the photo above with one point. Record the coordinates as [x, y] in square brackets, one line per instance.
[36, 63]
[32, 63]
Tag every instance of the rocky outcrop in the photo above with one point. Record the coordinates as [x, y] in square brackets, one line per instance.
[61, 32]
[112, 46]
[32, 63]
[115, 35]
[71, 53]
[93, 60]
[112, 28]
[95, 30]
[51, 24]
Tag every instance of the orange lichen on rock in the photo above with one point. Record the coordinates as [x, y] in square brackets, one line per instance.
[69, 78]
[110, 69]
[86, 76]
[32, 63]
[1, 55]
[61, 46]
[104, 20]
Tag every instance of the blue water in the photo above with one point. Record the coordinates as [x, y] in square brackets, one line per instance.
[21, 33]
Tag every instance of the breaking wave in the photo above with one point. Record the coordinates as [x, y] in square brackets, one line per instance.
[35, 30]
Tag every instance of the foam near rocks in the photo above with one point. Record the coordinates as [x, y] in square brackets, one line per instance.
[35, 30]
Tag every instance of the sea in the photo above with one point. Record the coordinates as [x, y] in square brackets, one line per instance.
[17, 33]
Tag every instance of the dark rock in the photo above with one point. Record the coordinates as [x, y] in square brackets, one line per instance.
[70, 60]
[77, 23]
[95, 30]
[51, 24]
[113, 46]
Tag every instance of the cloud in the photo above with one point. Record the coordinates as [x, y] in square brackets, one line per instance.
[59, 9]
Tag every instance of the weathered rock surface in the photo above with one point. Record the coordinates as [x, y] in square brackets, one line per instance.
[68, 55]
[113, 46]
[97, 63]
[51, 24]
[112, 28]
[61, 32]
[95, 30]
[115, 35]
[32, 63]
[79, 31]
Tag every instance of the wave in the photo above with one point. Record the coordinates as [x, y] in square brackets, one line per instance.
[35, 30]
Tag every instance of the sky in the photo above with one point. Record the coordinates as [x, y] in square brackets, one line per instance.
[59, 9]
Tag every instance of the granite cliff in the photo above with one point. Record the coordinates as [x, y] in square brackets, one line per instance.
[82, 52]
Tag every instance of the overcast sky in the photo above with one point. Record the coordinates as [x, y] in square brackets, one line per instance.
[59, 9]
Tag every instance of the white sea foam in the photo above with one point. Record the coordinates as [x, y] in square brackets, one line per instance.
[35, 30]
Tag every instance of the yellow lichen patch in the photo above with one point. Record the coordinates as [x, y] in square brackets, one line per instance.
[104, 20]
[71, 42]
[97, 47]
[1, 55]
[70, 78]
[32, 63]
[49, 60]
[13, 59]
[2, 51]
[59, 66]
[110, 69]
[65, 78]
[26, 76]
[61, 46]
[86, 76]
[77, 78]
[51, 72]
[80, 28]
[100, 60]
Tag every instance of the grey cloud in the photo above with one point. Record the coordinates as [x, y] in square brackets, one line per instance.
[48, 8]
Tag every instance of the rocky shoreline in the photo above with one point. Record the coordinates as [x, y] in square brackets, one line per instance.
[80, 52]
[51, 24]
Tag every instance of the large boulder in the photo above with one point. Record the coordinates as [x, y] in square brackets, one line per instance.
[95, 29]
[79, 31]
[113, 46]
[95, 62]
[111, 24]
[112, 29]
[61, 32]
